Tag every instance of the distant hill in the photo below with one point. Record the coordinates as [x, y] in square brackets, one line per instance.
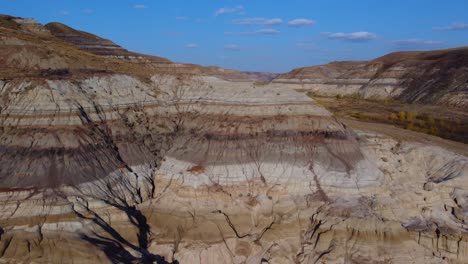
[432, 77]
[29, 49]
[97, 45]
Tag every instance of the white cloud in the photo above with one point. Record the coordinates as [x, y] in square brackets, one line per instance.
[266, 31]
[353, 36]
[88, 11]
[139, 6]
[301, 22]
[454, 27]
[416, 44]
[191, 46]
[258, 21]
[64, 13]
[232, 47]
[229, 10]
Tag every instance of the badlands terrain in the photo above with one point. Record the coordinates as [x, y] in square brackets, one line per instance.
[110, 156]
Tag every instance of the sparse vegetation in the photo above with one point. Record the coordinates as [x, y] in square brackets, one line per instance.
[261, 83]
[433, 120]
[354, 96]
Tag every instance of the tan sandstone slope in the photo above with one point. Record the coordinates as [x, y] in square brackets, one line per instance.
[103, 160]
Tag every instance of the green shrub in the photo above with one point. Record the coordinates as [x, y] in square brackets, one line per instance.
[355, 96]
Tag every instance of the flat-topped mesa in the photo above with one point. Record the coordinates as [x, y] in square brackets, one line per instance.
[248, 165]
[104, 119]
[432, 77]
[202, 141]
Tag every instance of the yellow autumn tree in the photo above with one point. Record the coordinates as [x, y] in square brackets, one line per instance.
[402, 116]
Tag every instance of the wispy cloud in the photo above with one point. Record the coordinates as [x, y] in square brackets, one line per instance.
[139, 6]
[229, 10]
[416, 44]
[258, 21]
[454, 27]
[266, 31]
[301, 22]
[360, 36]
[232, 47]
[64, 13]
[191, 46]
[182, 18]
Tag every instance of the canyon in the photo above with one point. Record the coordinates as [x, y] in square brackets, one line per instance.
[110, 156]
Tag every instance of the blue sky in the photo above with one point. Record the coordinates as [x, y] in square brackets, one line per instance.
[260, 35]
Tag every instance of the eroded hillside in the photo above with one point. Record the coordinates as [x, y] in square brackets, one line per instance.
[105, 160]
[432, 77]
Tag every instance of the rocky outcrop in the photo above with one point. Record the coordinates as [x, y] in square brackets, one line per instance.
[110, 163]
[433, 77]
[209, 171]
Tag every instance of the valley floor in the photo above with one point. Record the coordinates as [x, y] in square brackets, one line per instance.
[439, 121]
[402, 134]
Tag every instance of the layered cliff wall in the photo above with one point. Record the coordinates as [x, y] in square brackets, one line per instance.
[103, 160]
[215, 172]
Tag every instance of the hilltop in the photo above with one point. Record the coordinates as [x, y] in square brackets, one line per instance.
[30, 49]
